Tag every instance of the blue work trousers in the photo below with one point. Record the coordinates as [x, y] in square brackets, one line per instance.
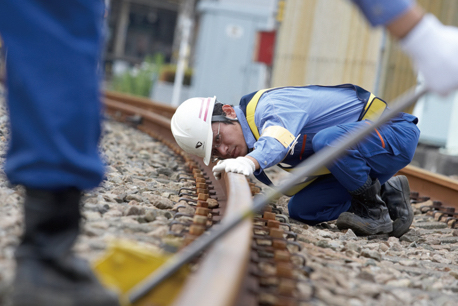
[53, 77]
[383, 153]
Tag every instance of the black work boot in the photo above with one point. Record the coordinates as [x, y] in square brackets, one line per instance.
[368, 214]
[396, 195]
[47, 272]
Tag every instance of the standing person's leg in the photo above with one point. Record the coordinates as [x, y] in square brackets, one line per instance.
[53, 92]
[53, 95]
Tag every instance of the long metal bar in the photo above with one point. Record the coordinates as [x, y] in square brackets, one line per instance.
[306, 168]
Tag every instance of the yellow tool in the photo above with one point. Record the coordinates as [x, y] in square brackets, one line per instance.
[126, 264]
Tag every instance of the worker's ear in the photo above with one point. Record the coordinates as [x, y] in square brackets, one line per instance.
[229, 110]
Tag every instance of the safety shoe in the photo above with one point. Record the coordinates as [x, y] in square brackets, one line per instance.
[396, 194]
[368, 214]
[47, 271]
[44, 283]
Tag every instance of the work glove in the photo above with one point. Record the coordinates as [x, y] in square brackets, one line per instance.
[433, 47]
[240, 164]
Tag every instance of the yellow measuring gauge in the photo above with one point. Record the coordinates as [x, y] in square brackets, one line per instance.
[126, 264]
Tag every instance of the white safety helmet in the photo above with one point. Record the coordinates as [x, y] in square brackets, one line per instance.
[192, 126]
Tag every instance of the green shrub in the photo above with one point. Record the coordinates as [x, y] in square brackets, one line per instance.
[140, 79]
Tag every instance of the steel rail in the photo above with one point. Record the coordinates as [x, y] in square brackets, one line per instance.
[219, 280]
[143, 103]
[436, 186]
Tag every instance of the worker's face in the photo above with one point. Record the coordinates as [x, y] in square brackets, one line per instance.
[228, 139]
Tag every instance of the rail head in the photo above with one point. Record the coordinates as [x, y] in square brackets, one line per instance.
[141, 102]
[135, 110]
[220, 276]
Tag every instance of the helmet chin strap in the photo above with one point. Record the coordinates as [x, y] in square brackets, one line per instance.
[221, 118]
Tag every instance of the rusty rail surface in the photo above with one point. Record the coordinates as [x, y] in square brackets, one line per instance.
[215, 273]
[163, 110]
[215, 277]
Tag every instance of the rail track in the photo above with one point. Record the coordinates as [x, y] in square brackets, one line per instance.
[267, 265]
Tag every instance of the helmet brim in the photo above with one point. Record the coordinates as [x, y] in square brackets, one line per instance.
[208, 149]
[209, 142]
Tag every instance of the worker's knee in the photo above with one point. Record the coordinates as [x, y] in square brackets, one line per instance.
[301, 213]
[325, 137]
[314, 214]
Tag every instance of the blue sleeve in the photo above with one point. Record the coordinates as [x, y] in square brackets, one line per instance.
[274, 112]
[268, 152]
[382, 12]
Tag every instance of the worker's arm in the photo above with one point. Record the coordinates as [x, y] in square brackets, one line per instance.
[383, 12]
[433, 49]
[403, 24]
[272, 153]
[243, 164]
[432, 46]
[255, 162]
[268, 151]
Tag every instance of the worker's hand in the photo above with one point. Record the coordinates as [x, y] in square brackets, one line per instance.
[433, 48]
[240, 164]
[217, 172]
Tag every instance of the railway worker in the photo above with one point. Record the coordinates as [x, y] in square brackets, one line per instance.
[286, 125]
[431, 46]
[52, 80]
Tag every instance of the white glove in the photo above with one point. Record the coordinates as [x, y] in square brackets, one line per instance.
[217, 174]
[433, 48]
[240, 164]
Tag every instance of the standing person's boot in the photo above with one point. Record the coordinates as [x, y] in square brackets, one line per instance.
[368, 214]
[47, 272]
[396, 194]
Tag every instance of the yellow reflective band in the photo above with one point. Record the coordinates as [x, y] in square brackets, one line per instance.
[374, 108]
[296, 188]
[321, 171]
[371, 97]
[250, 108]
[279, 133]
